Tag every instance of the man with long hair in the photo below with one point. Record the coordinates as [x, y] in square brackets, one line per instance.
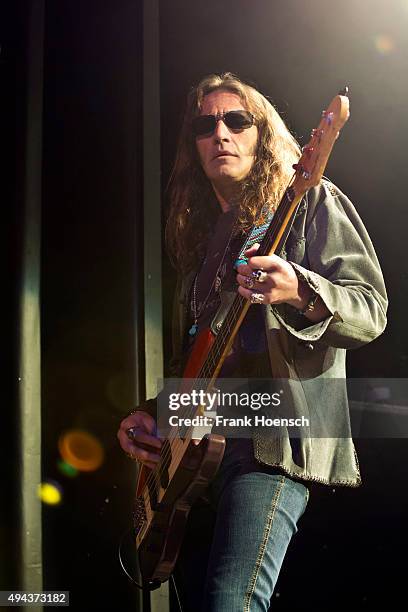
[323, 294]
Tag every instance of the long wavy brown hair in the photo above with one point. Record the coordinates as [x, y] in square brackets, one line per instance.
[193, 205]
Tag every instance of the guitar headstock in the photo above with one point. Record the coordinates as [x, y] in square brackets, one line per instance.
[311, 165]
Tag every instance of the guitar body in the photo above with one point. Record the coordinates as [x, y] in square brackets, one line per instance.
[202, 345]
[164, 497]
[166, 520]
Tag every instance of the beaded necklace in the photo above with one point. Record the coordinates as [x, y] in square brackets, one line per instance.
[255, 235]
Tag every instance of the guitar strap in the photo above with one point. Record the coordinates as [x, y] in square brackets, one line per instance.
[256, 235]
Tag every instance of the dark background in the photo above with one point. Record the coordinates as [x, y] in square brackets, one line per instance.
[297, 52]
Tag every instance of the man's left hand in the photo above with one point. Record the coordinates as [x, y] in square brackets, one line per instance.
[280, 284]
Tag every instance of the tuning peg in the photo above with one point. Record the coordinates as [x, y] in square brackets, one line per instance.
[328, 116]
[302, 171]
[307, 150]
[317, 133]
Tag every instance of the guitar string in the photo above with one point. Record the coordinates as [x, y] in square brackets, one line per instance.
[211, 360]
[172, 451]
[209, 364]
[215, 352]
[172, 436]
[174, 431]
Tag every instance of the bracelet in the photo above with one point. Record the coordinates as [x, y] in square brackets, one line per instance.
[310, 306]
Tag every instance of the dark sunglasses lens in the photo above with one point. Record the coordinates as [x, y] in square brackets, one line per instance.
[205, 124]
[238, 120]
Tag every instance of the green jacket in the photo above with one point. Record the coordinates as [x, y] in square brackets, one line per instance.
[330, 246]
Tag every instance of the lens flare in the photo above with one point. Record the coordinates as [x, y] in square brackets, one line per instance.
[384, 44]
[81, 450]
[67, 469]
[50, 493]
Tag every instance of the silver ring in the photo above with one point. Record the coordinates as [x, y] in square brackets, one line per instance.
[260, 276]
[131, 433]
[249, 282]
[132, 457]
[257, 298]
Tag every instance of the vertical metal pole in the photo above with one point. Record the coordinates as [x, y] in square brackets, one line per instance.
[29, 353]
[152, 222]
[152, 198]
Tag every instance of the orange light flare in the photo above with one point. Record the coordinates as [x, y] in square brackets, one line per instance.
[81, 450]
[384, 44]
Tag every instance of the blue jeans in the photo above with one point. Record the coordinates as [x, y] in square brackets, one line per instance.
[237, 538]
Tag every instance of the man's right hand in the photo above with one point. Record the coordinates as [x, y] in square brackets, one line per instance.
[144, 435]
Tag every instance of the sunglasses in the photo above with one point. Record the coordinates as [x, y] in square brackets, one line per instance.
[204, 125]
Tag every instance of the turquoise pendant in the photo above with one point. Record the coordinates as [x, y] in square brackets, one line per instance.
[193, 329]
